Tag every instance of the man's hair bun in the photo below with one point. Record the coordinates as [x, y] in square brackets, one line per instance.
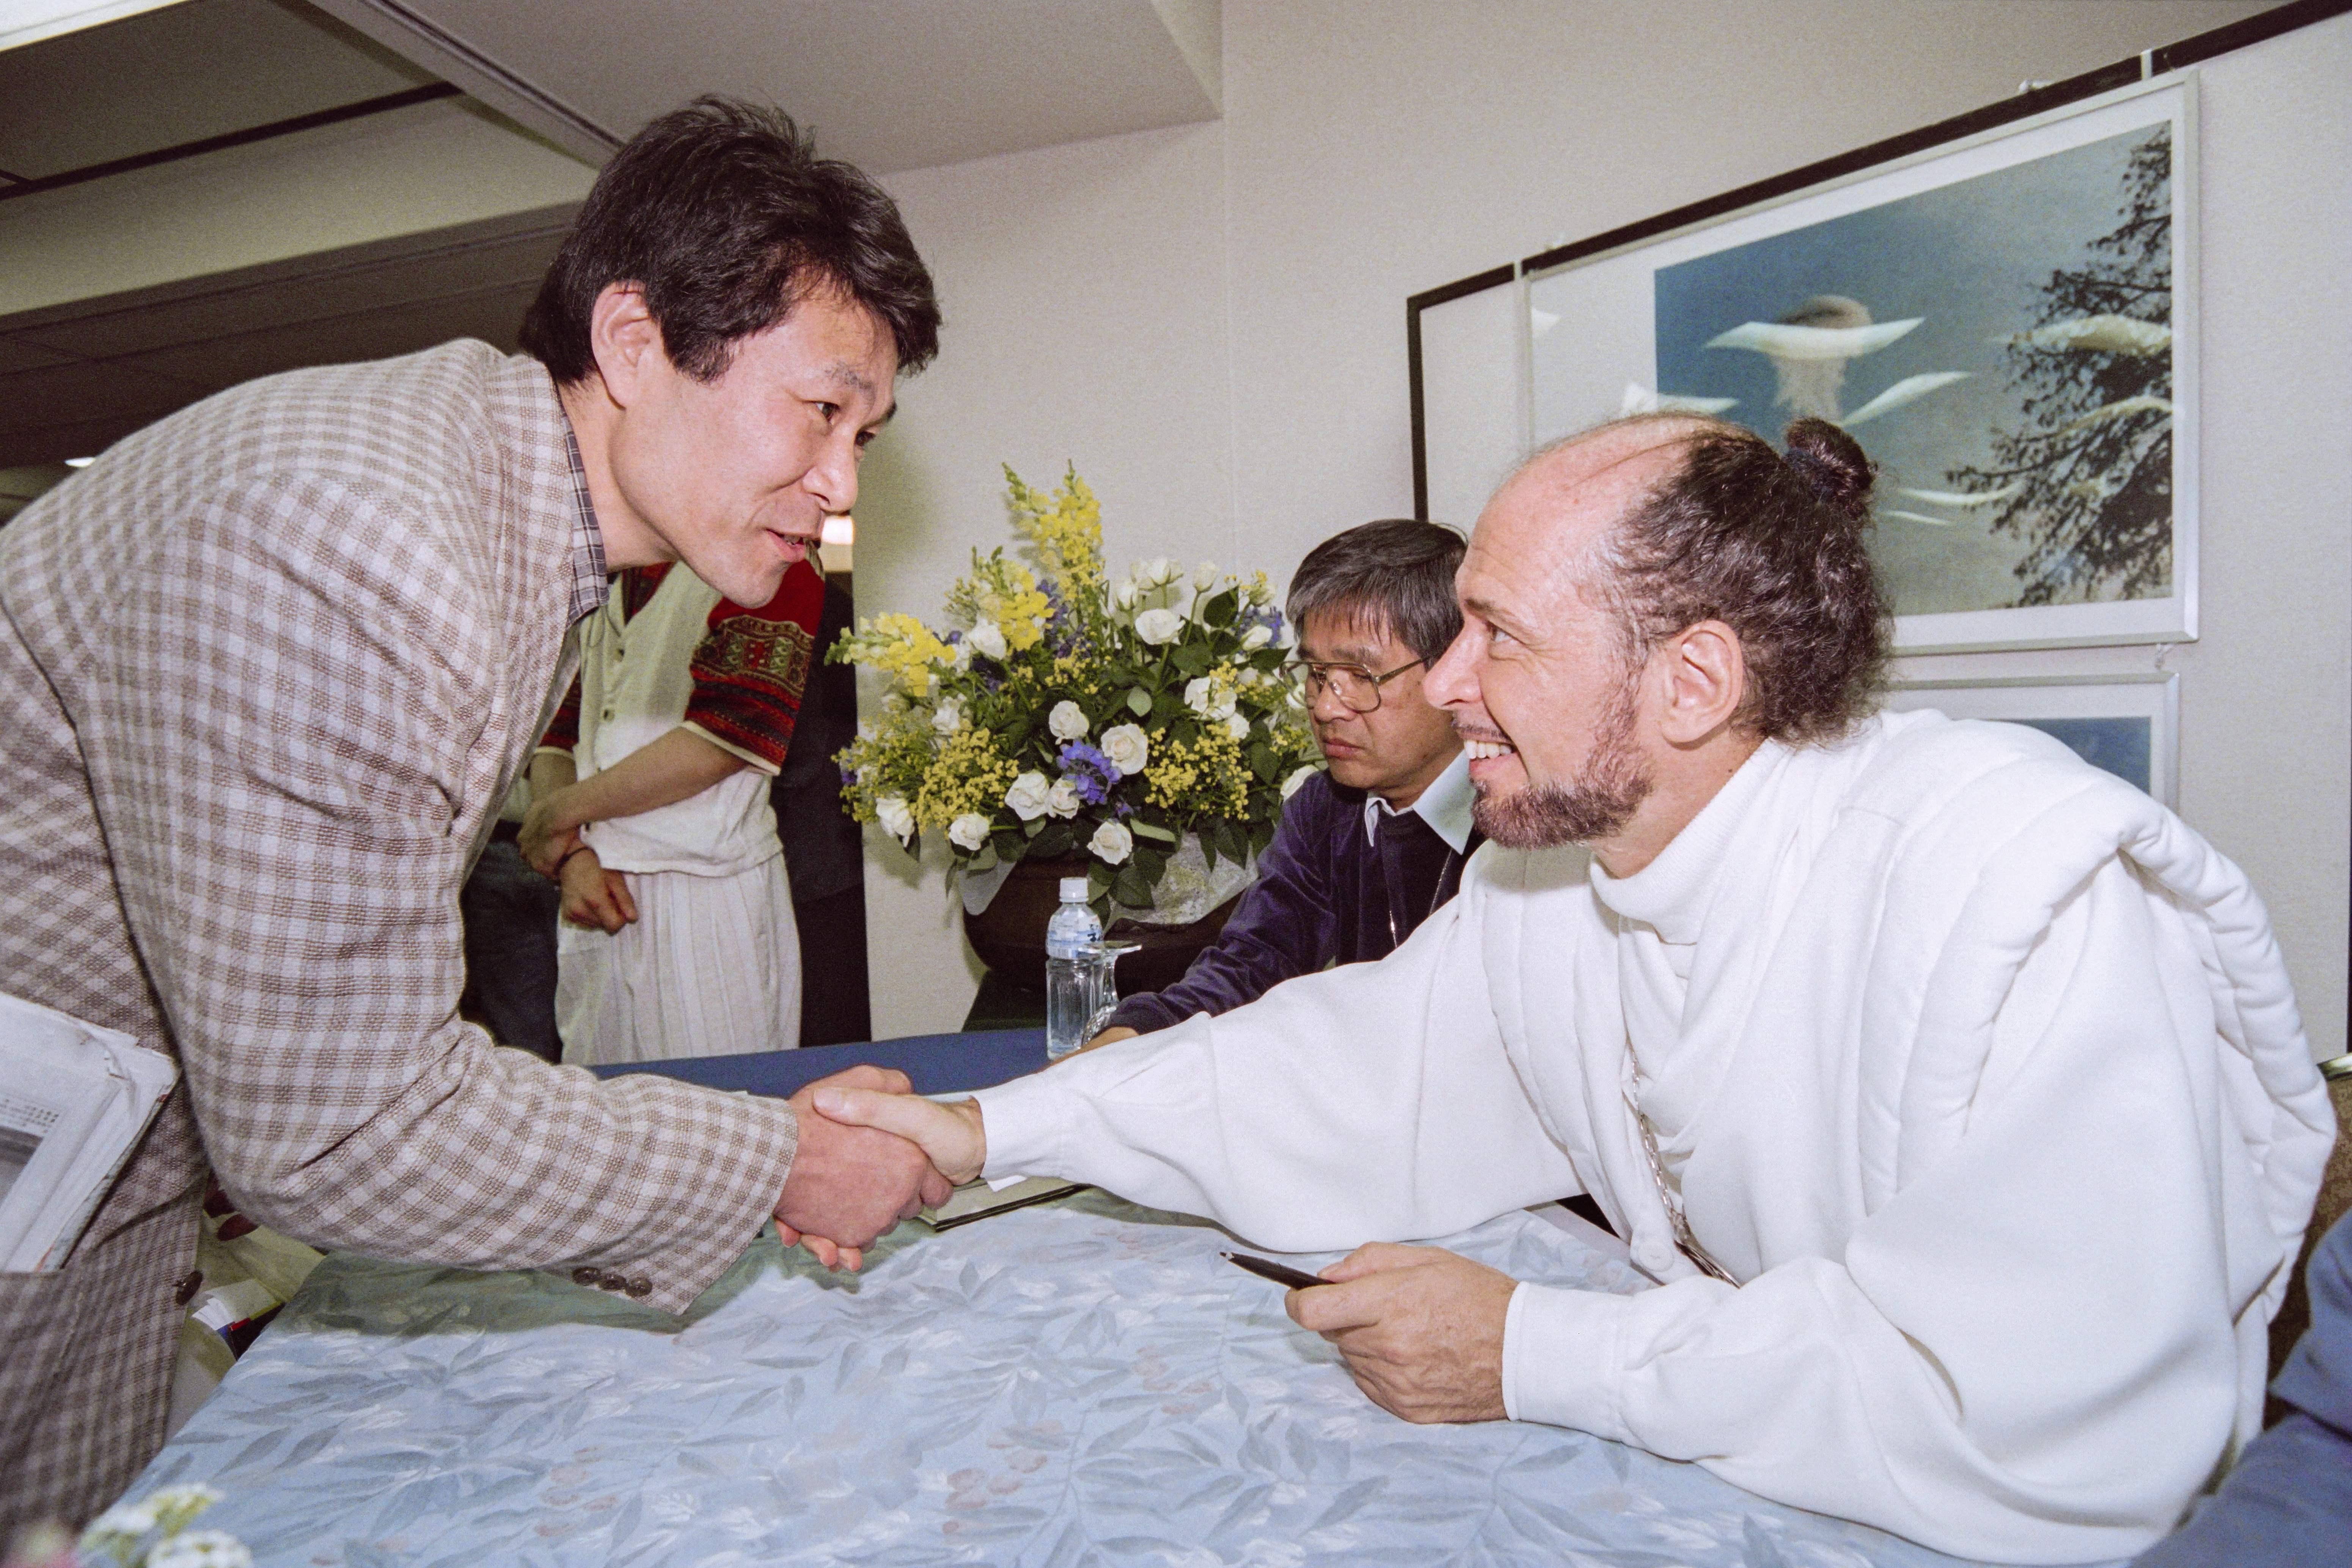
[1833, 466]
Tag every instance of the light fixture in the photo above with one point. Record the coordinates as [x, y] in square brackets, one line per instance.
[841, 529]
[79, 462]
[30, 21]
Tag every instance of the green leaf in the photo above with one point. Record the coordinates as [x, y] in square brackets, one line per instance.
[1166, 706]
[1183, 732]
[1261, 761]
[1191, 658]
[1053, 841]
[983, 862]
[1153, 861]
[1131, 886]
[1149, 830]
[1139, 702]
[1209, 851]
[1007, 843]
[1221, 610]
[1230, 842]
[1033, 827]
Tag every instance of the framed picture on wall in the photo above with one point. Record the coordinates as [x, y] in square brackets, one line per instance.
[2006, 325]
[2128, 725]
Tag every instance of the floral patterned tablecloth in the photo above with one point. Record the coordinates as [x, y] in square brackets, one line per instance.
[1080, 1383]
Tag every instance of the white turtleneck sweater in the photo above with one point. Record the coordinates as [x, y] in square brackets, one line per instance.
[1976, 1070]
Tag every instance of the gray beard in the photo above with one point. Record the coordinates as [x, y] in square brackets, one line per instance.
[1599, 802]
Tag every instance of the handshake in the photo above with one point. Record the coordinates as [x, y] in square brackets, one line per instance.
[871, 1153]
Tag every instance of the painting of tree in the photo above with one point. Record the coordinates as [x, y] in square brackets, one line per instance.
[2084, 479]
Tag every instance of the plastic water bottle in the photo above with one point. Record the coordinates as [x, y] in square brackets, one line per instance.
[1069, 982]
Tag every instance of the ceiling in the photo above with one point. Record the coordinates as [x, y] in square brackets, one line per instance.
[889, 84]
[179, 73]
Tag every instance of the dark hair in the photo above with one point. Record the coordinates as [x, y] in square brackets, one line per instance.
[1396, 574]
[1773, 548]
[722, 213]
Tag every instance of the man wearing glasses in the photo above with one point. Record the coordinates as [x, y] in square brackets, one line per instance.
[1371, 848]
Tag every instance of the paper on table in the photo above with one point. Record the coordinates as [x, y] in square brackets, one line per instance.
[74, 1099]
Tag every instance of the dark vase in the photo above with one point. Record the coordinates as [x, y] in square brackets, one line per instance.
[1009, 934]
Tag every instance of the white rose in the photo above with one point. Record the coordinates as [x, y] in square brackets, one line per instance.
[1203, 576]
[1216, 702]
[1196, 695]
[1158, 626]
[897, 821]
[1299, 776]
[968, 831]
[949, 719]
[1111, 842]
[1236, 726]
[1026, 797]
[1067, 720]
[1127, 748]
[1062, 800]
[1256, 637]
[987, 638]
[1123, 597]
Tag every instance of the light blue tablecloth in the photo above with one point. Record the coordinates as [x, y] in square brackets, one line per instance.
[1081, 1383]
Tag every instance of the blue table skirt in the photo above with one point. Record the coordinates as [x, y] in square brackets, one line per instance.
[938, 1064]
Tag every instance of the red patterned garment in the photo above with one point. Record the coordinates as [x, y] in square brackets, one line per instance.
[750, 668]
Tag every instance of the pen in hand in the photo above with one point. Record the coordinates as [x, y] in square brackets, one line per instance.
[1265, 1268]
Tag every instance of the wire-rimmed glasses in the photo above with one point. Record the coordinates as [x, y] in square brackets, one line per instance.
[1358, 688]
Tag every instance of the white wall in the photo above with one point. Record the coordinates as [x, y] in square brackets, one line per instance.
[1209, 321]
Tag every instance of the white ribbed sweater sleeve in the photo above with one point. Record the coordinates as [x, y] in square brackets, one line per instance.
[1365, 1104]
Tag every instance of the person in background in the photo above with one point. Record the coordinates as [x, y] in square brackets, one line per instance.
[268, 668]
[1952, 1089]
[2287, 1503]
[1374, 844]
[510, 912]
[649, 806]
[823, 846]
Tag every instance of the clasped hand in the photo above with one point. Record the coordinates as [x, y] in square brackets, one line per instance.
[871, 1153]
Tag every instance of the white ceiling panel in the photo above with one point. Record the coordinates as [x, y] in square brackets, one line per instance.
[887, 84]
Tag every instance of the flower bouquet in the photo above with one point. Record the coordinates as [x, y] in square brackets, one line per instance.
[1060, 712]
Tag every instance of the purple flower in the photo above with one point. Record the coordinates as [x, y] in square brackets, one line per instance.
[1091, 773]
[1266, 615]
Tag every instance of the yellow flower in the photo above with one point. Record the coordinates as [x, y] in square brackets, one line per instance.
[901, 647]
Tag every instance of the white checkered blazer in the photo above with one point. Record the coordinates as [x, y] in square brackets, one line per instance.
[266, 672]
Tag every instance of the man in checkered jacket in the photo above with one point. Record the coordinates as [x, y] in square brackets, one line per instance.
[267, 670]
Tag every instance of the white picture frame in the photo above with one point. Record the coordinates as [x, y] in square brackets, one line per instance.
[2128, 724]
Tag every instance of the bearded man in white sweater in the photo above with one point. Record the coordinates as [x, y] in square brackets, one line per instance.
[1952, 1090]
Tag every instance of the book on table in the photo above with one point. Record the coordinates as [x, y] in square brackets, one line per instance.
[74, 1099]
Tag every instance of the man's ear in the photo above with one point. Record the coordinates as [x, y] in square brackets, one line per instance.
[626, 342]
[1705, 676]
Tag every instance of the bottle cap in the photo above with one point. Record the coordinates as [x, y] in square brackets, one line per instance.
[1074, 889]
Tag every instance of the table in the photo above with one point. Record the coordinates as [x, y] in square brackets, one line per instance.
[1085, 1382]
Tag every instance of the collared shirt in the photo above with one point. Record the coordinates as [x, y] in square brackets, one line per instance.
[1445, 806]
[588, 580]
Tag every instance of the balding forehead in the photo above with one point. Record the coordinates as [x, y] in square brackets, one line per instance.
[1623, 444]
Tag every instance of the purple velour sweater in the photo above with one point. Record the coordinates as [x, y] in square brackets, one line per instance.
[1324, 895]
